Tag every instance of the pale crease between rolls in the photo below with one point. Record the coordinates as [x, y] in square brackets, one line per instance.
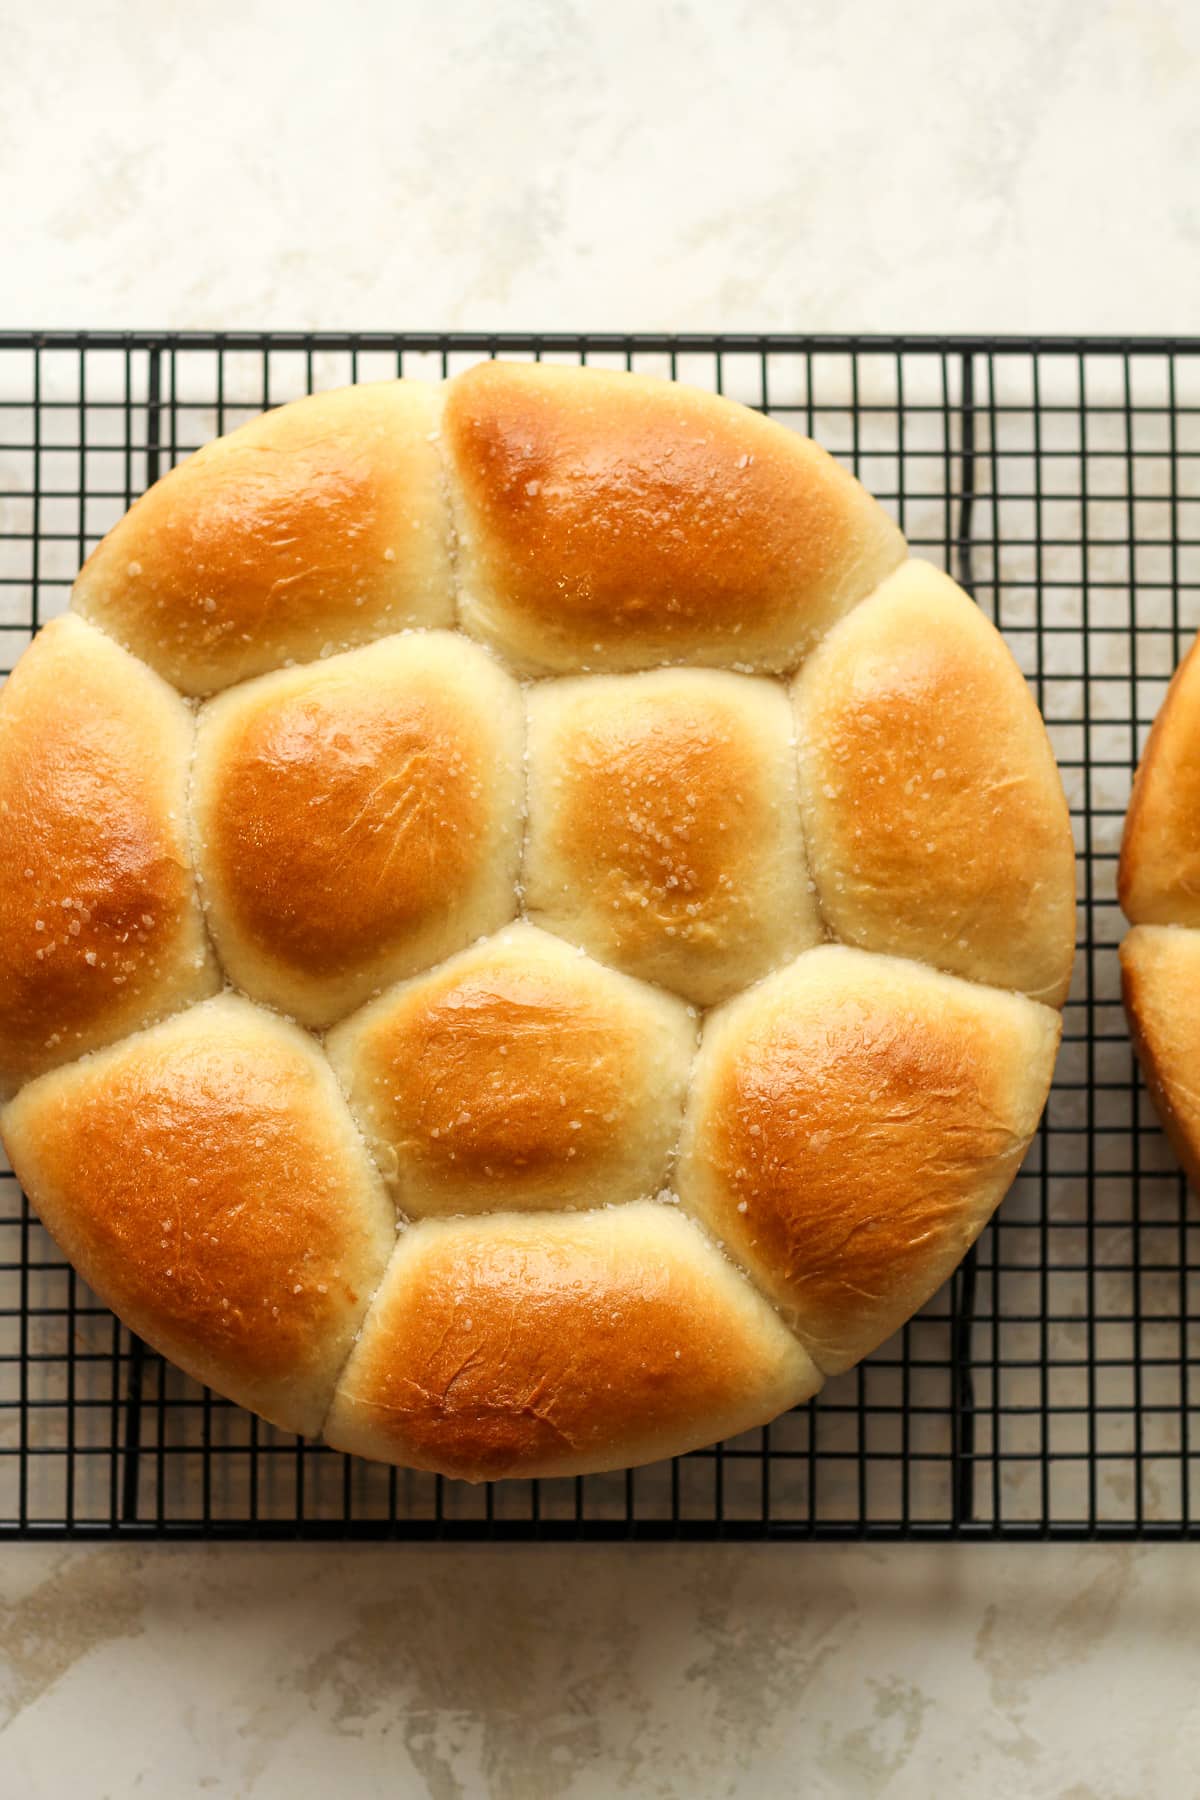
[518, 1086]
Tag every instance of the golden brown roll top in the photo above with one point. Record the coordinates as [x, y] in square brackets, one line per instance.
[610, 521]
[604, 521]
[934, 814]
[1159, 876]
[664, 826]
[519, 1074]
[100, 928]
[316, 527]
[206, 1179]
[1160, 984]
[852, 1124]
[561, 1345]
[358, 819]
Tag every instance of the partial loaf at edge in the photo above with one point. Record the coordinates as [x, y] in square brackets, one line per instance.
[1160, 985]
[1158, 877]
[1158, 885]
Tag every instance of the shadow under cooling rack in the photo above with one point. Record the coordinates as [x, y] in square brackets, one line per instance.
[1049, 1391]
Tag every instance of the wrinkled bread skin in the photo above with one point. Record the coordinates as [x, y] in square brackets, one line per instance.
[518, 1075]
[852, 1125]
[556, 1345]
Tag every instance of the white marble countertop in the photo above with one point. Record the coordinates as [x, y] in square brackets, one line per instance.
[586, 1673]
[696, 165]
[702, 165]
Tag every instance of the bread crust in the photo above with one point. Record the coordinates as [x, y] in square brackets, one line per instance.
[936, 820]
[557, 1345]
[592, 1237]
[852, 1125]
[611, 521]
[100, 925]
[316, 527]
[1158, 876]
[1160, 986]
[664, 826]
[206, 1180]
[400, 762]
[518, 1074]
[1158, 886]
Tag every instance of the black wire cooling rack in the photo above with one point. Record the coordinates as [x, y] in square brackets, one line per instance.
[1048, 1392]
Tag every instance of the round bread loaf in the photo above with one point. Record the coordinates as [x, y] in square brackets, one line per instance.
[1158, 885]
[641, 894]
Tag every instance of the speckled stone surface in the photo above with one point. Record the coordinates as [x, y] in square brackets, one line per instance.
[703, 164]
[769, 165]
[590, 1673]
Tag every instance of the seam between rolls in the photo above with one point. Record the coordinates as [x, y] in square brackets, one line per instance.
[793, 706]
[801, 791]
[722, 1249]
[193, 842]
[449, 503]
[339, 1377]
[792, 669]
[400, 1223]
[672, 1168]
[932, 968]
[523, 814]
[106, 631]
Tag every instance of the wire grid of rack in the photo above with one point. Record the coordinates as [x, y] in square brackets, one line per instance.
[1048, 1391]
